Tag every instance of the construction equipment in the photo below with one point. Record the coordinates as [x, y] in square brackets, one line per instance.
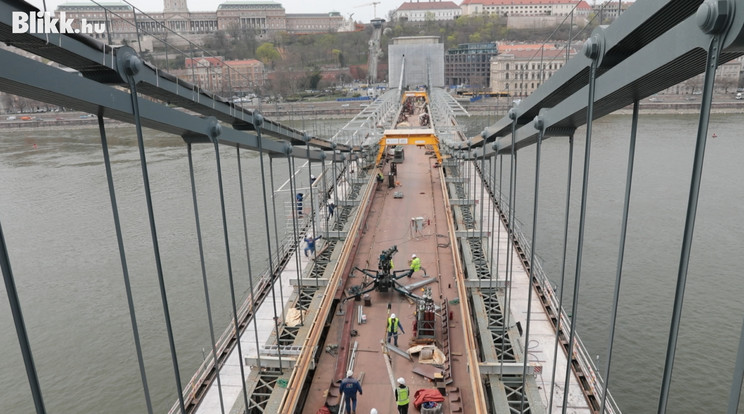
[384, 278]
[373, 4]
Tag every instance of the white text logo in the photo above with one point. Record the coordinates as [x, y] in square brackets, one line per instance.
[40, 22]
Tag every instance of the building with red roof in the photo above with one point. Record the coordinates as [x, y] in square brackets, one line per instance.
[420, 11]
[526, 7]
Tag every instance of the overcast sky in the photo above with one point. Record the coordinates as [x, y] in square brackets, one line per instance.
[362, 9]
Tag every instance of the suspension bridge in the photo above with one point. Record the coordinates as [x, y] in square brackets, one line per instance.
[272, 357]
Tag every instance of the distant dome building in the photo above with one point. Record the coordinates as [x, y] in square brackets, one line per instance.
[261, 16]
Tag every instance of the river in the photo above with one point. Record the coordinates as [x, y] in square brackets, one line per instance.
[57, 219]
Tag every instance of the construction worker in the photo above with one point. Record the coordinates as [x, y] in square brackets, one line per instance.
[415, 264]
[402, 396]
[393, 324]
[350, 386]
[310, 244]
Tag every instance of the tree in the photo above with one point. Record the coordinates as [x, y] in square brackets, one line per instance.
[314, 79]
[267, 53]
[340, 57]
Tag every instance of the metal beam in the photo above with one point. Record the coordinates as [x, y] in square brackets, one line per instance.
[504, 368]
[629, 69]
[98, 61]
[35, 80]
[309, 281]
[269, 361]
[484, 283]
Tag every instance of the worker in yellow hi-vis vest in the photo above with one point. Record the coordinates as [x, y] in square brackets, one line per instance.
[402, 396]
[393, 324]
[416, 265]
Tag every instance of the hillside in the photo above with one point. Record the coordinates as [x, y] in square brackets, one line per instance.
[319, 61]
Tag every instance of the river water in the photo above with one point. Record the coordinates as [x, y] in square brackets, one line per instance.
[56, 215]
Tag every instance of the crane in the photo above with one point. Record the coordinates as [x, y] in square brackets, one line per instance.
[373, 4]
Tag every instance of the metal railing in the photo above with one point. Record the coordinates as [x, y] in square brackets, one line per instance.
[585, 361]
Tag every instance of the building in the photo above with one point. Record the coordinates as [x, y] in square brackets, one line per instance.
[609, 10]
[520, 69]
[424, 61]
[227, 77]
[427, 11]
[314, 22]
[728, 77]
[261, 16]
[205, 72]
[510, 8]
[117, 17]
[469, 64]
[244, 75]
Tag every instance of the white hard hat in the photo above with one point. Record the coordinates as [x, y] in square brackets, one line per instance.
[349, 373]
[392, 315]
[413, 255]
[373, 411]
[401, 381]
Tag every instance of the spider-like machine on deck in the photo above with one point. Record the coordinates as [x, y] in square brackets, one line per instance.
[384, 278]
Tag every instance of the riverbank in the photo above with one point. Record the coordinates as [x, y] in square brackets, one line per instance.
[282, 112]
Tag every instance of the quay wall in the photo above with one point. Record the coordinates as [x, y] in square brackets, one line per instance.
[345, 110]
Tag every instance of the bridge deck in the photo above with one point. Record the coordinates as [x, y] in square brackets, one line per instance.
[388, 224]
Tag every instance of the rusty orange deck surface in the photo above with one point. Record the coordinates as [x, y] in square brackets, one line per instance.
[388, 224]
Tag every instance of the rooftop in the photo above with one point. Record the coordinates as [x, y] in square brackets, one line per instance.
[536, 54]
[108, 5]
[242, 4]
[429, 5]
[520, 2]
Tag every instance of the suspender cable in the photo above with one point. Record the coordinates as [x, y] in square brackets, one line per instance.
[312, 202]
[124, 266]
[276, 236]
[621, 252]
[471, 189]
[324, 201]
[591, 49]
[692, 202]
[296, 239]
[335, 180]
[483, 189]
[510, 231]
[132, 69]
[498, 256]
[15, 307]
[248, 257]
[563, 269]
[490, 240]
[348, 174]
[273, 209]
[493, 239]
[258, 122]
[229, 261]
[204, 275]
[512, 240]
[469, 166]
[539, 125]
